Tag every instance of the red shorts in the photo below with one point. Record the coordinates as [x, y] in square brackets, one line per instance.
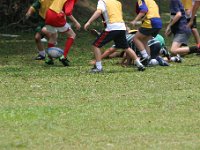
[55, 19]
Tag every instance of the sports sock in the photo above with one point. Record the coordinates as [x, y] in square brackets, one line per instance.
[68, 44]
[51, 45]
[42, 53]
[193, 49]
[137, 62]
[144, 53]
[99, 65]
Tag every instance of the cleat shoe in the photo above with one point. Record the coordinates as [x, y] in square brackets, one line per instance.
[96, 70]
[145, 61]
[177, 59]
[141, 68]
[161, 61]
[49, 61]
[39, 57]
[64, 61]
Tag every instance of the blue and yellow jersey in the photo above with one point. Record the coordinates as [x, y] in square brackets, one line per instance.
[152, 16]
[41, 6]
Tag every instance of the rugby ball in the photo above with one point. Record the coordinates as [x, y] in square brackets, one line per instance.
[55, 52]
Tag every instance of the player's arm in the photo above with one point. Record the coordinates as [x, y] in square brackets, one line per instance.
[32, 9]
[76, 23]
[138, 18]
[96, 15]
[175, 18]
[172, 22]
[30, 12]
[142, 9]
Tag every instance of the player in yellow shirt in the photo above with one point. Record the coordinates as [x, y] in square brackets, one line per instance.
[148, 12]
[115, 30]
[39, 8]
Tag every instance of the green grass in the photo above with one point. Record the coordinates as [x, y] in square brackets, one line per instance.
[45, 107]
[54, 107]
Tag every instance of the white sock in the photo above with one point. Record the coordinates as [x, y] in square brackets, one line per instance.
[42, 53]
[144, 53]
[137, 62]
[99, 65]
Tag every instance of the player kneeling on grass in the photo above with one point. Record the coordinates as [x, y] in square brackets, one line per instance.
[115, 30]
[178, 26]
[56, 21]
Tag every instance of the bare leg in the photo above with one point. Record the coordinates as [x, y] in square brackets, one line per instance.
[133, 55]
[177, 49]
[97, 53]
[140, 41]
[196, 35]
[105, 54]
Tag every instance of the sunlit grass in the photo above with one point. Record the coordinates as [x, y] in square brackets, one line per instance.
[56, 107]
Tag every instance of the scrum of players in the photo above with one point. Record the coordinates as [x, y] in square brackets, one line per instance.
[141, 48]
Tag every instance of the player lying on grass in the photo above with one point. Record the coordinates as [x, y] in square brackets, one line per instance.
[178, 26]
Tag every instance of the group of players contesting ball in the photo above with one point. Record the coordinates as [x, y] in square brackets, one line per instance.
[141, 48]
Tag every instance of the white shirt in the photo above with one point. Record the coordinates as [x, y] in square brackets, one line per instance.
[110, 26]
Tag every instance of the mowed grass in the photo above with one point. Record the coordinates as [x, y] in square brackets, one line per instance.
[56, 107]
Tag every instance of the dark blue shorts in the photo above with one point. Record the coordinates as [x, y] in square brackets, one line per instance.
[149, 31]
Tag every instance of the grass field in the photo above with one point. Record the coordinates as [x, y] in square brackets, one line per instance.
[55, 107]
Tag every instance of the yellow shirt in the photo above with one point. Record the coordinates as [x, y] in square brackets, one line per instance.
[187, 4]
[114, 9]
[57, 5]
[152, 17]
[44, 5]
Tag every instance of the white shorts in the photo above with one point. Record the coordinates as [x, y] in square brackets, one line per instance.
[53, 29]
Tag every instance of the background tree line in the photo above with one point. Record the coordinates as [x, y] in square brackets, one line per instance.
[12, 12]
